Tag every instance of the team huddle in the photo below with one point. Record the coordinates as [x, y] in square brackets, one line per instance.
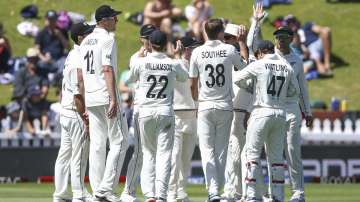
[234, 94]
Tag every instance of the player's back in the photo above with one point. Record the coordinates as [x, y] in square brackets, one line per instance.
[157, 75]
[96, 50]
[273, 78]
[214, 62]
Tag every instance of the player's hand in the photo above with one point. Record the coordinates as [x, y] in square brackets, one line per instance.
[179, 48]
[242, 33]
[87, 130]
[258, 12]
[246, 119]
[309, 121]
[142, 51]
[112, 110]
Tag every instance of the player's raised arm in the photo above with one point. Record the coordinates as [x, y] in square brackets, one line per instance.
[254, 33]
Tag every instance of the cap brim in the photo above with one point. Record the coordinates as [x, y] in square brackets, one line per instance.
[115, 13]
[278, 32]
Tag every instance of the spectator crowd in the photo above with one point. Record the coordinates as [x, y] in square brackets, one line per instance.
[30, 114]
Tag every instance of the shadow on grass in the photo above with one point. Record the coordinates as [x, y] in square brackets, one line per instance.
[343, 1]
[337, 61]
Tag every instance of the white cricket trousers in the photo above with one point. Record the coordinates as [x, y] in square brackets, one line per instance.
[104, 171]
[157, 139]
[271, 131]
[184, 145]
[135, 164]
[214, 130]
[72, 158]
[233, 186]
[293, 148]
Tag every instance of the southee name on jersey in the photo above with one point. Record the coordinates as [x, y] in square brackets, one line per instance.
[214, 54]
[276, 67]
[162, 67]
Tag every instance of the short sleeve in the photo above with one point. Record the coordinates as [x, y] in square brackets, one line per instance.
[74, 84]
[107, 52]
[194, 67]
[308, 26]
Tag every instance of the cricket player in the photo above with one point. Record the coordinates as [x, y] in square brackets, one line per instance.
[274, 82]
[185, 129]
[212, 63]
[98, 54]
[156, 74]
[294, 106]
[135, 164]
[241, 101]
[74, 149]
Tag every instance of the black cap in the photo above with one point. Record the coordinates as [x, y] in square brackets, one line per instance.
[51, 15]
[158, 38]
[80, 29]
[284, 30]
[263, 45]
[105, 11]
[33, 91]
[189, 42]
[146, 30]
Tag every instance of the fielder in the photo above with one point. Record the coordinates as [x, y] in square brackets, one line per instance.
[185, 129]
[212, 63]
[135, 164]
[283, 38]
[98, 54]
[74, 149]
[274, 81]
[156, 74]
[241, 101]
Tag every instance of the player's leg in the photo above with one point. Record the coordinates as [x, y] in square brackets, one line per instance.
[257, 129]
[62, 164]
[97, 154]
[188, 147]
[79, 158]
[274, 150]
[135, 164]
[165, 142]
[176, 162]
[293, 153]
[147, 127]
[206, 133]
[233, 188]
[117, 135]
[223, 127]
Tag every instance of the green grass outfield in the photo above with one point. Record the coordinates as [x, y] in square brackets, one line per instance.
[30, 192]
[343, 18]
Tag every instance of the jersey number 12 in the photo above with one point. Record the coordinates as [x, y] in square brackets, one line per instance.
[89, 57]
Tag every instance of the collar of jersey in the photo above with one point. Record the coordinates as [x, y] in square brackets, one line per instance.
[100, 30]
[157, 54]
[212, 42]
[270, 56]
[277, 51]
